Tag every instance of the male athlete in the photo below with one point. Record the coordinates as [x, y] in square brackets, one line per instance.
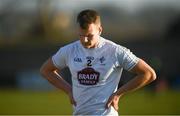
[96, 65]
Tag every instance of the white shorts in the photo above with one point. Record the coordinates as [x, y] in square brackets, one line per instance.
[108, 112]
[111, 112]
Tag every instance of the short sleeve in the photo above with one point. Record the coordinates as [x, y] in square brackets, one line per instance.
[60, 58]
[126, 59]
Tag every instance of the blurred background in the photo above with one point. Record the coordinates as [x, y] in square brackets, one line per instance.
[31, 31]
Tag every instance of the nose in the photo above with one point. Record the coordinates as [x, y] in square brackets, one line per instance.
[85, 39]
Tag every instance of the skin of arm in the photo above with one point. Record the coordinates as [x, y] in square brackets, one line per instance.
[49, 72]
[144, 75]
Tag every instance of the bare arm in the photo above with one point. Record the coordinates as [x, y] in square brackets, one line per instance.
[49, 71]
[144, 75]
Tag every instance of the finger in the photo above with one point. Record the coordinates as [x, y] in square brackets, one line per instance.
[116, 107]
[74, 102]
[108, 104]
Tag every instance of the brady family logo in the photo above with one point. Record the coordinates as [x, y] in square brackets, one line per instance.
[88, 76]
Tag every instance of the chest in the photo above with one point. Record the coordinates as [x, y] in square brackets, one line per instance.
[101, 61]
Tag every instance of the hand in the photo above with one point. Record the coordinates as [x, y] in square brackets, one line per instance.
[113, 101]
[73, 102]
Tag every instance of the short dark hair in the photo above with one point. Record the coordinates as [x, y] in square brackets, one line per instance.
[87, 17]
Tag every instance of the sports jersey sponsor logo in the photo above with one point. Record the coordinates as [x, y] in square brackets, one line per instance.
[90, 58]
[88, 76]
[77, 59]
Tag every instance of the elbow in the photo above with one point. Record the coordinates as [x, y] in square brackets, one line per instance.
[42, 72]
[152, 75]
[47, 69]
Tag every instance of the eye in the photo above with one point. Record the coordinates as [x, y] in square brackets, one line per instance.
[90, 36]
[81, 36]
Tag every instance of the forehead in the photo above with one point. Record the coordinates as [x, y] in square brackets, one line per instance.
[92, 29]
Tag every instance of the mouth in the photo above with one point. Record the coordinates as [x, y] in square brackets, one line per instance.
[87, 44]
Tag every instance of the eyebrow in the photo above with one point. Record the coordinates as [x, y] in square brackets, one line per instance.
[89, 35]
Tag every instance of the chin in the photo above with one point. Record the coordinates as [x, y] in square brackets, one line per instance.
[87, 46]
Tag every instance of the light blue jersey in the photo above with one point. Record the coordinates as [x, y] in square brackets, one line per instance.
[95, 72]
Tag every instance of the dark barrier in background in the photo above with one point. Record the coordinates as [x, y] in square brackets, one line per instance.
[20, 65]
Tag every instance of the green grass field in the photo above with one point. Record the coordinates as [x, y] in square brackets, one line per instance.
[56, 102]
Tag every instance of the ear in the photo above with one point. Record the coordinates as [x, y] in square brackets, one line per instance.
[100, 30]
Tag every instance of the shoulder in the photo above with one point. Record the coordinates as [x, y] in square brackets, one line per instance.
[70, 46]
[112, 45]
